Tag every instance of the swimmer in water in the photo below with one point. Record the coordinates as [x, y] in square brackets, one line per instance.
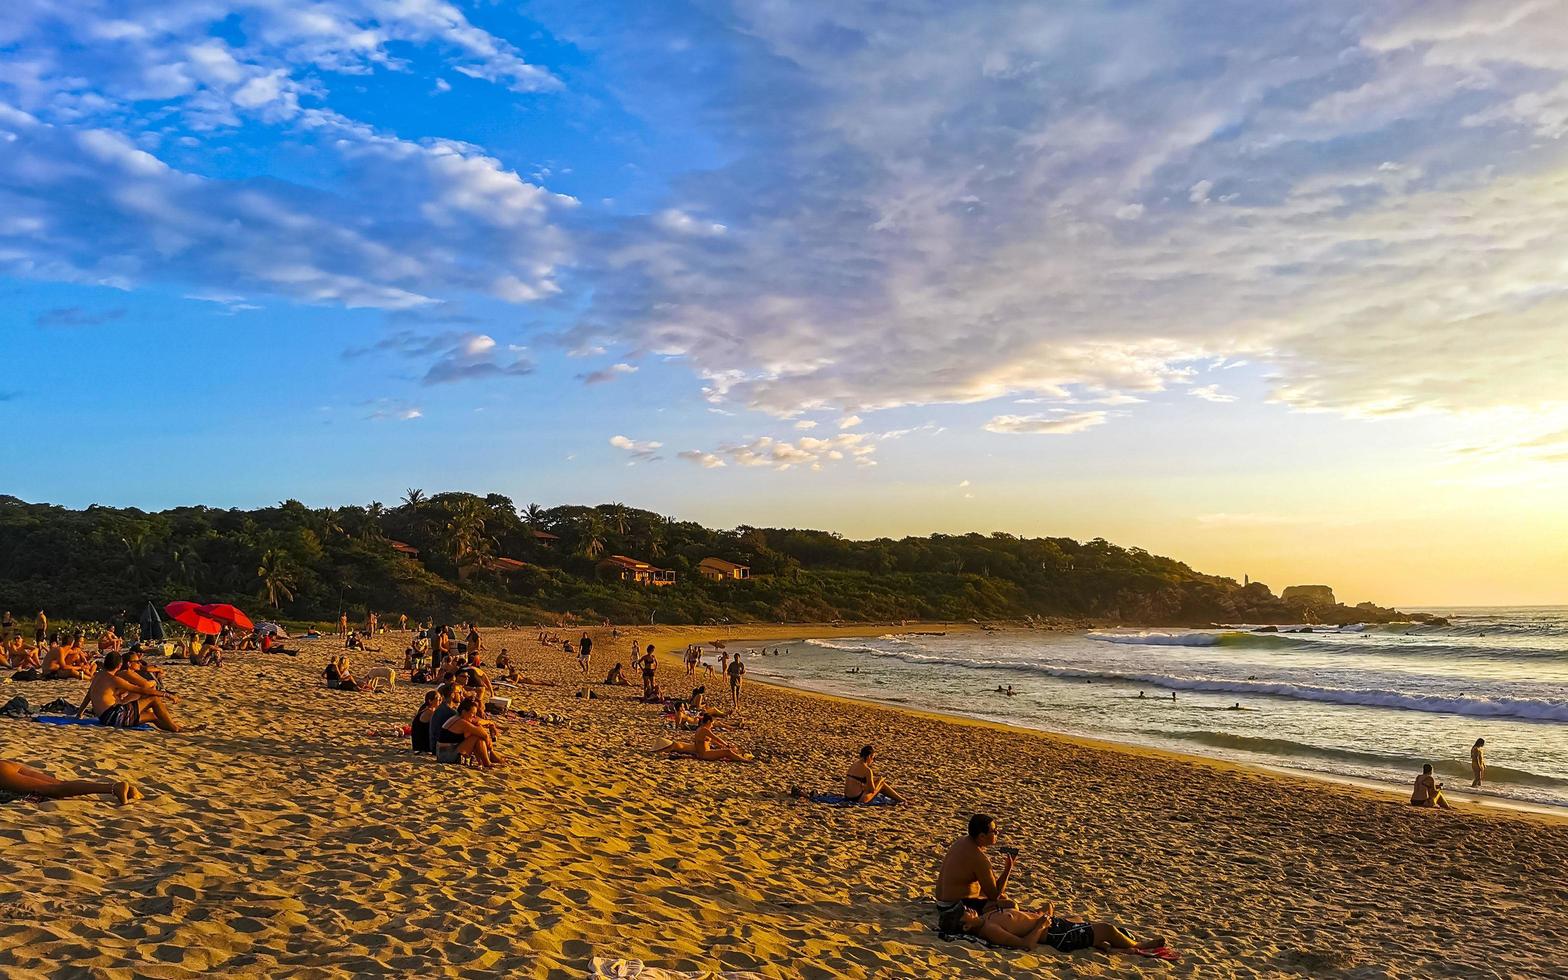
[1236, 707]
[1141, 697]
[1173, 695]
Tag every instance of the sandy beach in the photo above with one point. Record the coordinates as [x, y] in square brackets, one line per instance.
[296, 837]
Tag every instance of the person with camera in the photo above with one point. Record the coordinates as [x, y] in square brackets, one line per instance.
[1428, 791]
[966, 871]
[967, 880]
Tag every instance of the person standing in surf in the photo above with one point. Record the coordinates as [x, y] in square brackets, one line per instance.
[1478, 762]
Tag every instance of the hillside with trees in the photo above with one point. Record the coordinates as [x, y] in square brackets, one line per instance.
[302, 563]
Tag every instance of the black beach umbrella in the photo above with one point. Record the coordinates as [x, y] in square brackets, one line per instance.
[152, 626]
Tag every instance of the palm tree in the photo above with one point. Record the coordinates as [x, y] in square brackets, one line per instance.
[277, 577]
[374, 515]
[590, 544]
[140, 559]
[533, 515]
[465, 534]
[617, 514]
[413, 498]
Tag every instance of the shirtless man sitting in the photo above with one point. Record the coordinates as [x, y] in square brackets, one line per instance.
[966, 870]
[1428, 791]
[109, 640]
[124, 699]
[966, 881]
[58, 665]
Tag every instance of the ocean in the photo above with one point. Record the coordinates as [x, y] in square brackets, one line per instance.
[1365, 702]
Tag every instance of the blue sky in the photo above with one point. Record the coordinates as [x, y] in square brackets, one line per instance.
[1266, 288]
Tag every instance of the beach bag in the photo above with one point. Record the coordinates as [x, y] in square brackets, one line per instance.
[17, 707]
[59, 706]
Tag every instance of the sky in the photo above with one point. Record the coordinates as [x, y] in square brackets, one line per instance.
[1278, 290]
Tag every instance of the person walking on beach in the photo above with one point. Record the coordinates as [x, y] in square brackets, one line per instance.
[1428, 791]
[41, 628]
[342, 624]
[737, 673]
[584, 653]
[1478, 762]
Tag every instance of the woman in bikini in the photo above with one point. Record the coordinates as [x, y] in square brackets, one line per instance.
[706, 745]
[470, 735]
[863, 785]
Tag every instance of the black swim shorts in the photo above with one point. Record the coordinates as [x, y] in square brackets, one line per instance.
[1068, 936]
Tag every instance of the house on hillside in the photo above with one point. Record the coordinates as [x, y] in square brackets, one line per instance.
[720, 570]
[625, 569]
[493, 564]
[405, 549]
[546, 538]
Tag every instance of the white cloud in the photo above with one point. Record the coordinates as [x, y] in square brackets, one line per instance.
[963, 483]
[681, 223]
[705, 460]
[766, 451]
[1045, 424]
[393, 410]
[641, 452]
[910, 248]
[1211, 393]
[849, 421]
[607, 374]
[805, 425]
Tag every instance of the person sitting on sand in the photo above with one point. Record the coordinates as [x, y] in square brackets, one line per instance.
[26, 662]
[419, 728]
[21, 780]
[966, 880]
[208, 655]
[1428, 791]
[109, 640]
[616, 677]
[706, 744]
[863, 785]
[465, 736]
[340, 678]
[60, 666]
[124, 700]
[15, 651]
[503, 660]
[1478, 762]
[134, 662]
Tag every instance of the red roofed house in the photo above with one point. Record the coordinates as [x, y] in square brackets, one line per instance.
[723, 571]
[631, 570]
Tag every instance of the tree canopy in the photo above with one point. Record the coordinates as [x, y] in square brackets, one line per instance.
[311, 563]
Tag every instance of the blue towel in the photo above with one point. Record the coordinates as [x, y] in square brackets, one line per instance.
[67, 720]
[839, 799]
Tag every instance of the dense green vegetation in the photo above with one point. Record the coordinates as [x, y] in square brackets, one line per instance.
[307, 564]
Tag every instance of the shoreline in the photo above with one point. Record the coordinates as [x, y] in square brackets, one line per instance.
[1483, 801]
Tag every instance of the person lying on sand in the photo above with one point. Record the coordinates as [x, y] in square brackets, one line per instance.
[124, 699]
[24, 780]
[1428, 791]
[466, 736]
[863, 785]
[706, 745]
[966, 880]
[1018, 929]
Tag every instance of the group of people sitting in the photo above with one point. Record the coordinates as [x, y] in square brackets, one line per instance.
[452, 724]
[55, 658]
[127, 691]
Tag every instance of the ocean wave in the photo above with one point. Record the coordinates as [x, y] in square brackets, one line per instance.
[843, 647]
[1369, 647]
[1531, 709]
[1292, 749]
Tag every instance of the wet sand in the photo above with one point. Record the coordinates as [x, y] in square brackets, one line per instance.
[296, 838]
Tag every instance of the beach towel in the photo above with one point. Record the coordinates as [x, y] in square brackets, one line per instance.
[69, 720]
[604, 968]
[1159, 952]
[839, 799]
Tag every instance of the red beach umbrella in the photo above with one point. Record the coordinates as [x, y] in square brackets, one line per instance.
[190, 614]
[225, 613]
